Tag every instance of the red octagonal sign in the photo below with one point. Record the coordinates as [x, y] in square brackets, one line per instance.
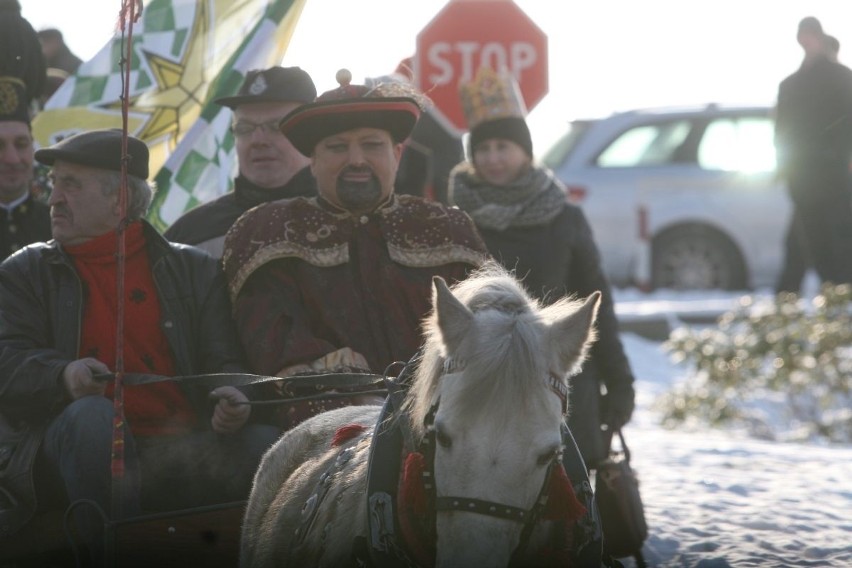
[469, 34]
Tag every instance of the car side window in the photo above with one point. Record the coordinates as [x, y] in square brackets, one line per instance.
[646, 145]
[738, 144]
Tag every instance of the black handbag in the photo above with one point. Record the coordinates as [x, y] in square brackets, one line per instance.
[620, 505]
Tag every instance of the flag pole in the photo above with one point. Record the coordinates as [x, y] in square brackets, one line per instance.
[128, 16]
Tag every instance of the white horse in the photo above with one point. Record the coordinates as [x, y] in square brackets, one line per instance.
[476, 477]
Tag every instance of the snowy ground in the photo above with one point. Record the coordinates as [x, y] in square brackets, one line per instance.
[718, 498]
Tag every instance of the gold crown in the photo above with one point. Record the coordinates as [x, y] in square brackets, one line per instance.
[491, 95]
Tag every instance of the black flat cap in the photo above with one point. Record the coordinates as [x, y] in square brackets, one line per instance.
[273, 85]
[98, 149]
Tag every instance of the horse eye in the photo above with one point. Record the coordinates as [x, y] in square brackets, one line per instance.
[549, 456]
[443, 439]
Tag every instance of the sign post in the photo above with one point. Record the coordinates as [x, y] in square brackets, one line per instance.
[468, 34]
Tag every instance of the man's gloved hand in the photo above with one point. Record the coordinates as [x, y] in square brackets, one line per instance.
[229, 415]
[77, 377]
[617, 406]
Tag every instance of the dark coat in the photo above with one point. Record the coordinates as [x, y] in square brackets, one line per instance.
[813, 136]
[27, 223]
[559, 259]
[813, 118]
[205, 226]
[41, 306]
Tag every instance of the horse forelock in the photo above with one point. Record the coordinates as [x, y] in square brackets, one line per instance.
[505, 367]
[500, 359]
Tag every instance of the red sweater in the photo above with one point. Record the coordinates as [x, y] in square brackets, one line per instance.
[155, 409]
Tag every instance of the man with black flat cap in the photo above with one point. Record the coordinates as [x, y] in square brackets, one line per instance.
[58, 303]
[344, 279]
[270, 168]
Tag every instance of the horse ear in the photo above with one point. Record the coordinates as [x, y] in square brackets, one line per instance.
[454, 319]
[572, 336]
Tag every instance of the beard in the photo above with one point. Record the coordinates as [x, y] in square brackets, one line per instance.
[359, 197]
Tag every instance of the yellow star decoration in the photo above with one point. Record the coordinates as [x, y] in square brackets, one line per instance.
[181, 86]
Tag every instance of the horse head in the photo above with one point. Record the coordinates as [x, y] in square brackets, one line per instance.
[489, 399]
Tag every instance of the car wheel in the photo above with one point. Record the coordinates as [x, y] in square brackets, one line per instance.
[696, 258]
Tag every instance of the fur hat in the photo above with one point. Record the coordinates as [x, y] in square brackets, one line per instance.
[494, 108]
[276, 84]
[23, 72]
[98, 149]
[394, 107]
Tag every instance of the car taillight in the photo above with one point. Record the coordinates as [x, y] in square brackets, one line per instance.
[576, 193]
[642, 218]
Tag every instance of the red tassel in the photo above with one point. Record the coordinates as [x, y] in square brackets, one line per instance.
[562, 502]
[346, 433]
[412, 496]
[414, 520]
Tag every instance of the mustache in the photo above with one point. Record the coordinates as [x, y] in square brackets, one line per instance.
[357, 170]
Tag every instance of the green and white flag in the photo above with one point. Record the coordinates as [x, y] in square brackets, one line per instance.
[186, 53]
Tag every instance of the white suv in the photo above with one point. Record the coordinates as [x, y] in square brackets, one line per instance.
[683, 198]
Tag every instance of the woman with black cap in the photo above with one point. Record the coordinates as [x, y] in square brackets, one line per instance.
[522, 213]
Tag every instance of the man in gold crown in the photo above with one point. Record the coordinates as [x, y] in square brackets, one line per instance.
[343, 280]
[522, 213]
[23, 219]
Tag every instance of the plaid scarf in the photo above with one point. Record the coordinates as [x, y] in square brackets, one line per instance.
[535, 198]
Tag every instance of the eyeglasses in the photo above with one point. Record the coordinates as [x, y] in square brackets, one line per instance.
[245, 128]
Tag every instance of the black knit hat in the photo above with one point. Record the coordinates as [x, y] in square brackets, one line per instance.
[512, 128]
[810, 25]
[273, 85]
[23, 72]
[98, 149]
[349, 107]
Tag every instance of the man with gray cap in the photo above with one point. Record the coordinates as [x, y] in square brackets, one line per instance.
[270, 167]
[58, 340]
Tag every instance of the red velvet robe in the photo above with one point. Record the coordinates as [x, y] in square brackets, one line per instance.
[307, 279]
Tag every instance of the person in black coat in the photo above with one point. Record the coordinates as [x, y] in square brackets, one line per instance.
[23, 218]
[523, 215]
[813, 138]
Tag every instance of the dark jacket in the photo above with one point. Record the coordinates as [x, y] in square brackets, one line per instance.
[561, 259]
[206, 225]
[27, 223]
[41, 306]
[813, 121]
[530, 228]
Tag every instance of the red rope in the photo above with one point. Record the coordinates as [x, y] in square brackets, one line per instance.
[127, 17]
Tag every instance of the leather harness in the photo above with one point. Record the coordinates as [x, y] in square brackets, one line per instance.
[385, 548]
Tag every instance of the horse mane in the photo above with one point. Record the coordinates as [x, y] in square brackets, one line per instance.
[503, 359]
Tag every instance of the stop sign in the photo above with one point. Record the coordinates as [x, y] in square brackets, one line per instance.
[469, 34]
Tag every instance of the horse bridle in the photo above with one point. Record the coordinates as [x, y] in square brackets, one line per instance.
[527, 517]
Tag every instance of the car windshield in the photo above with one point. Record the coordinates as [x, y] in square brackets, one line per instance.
[559, 152]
